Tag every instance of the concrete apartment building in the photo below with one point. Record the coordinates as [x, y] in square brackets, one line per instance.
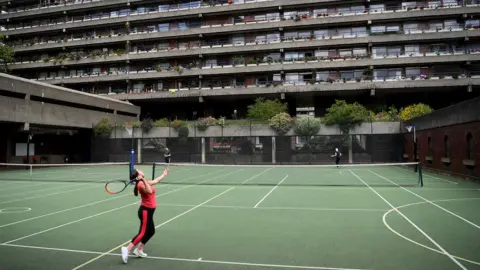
[213, 57]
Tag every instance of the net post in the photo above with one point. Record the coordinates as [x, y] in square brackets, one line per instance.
[153, 170]
[31, 170]
[420, 174]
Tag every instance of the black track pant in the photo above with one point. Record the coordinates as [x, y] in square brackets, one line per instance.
[147, 228]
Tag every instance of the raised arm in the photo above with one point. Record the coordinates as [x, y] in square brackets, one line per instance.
[158, 179]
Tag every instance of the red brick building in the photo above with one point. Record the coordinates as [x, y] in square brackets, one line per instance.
[448, 140]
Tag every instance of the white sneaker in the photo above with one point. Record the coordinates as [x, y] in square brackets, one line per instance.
[124, 254]
[139, 253]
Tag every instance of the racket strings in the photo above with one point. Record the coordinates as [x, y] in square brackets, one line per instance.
[116, 186]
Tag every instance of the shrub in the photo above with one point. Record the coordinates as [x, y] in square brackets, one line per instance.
[203, 123]
[346, 115]
[183, 132]
[414, 111]
[177, 124]
[102, 128]
[161, 123]
[265, 109]
[307, 126]
[147, 124]
[281, 123]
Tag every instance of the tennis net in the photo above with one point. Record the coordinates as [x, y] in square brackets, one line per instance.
[384, 174]
[69, 172]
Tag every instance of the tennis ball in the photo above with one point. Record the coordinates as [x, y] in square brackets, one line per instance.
[173, 91]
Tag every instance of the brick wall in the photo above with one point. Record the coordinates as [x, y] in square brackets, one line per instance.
[457, 147]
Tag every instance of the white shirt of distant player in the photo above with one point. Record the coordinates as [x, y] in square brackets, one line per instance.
[337, 153]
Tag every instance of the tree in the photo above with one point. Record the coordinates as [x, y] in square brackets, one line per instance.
[346, 115]
[6, 55]
[265, 109]
[414, 111]
[281, 123]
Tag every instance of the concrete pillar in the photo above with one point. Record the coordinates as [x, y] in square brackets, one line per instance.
[139, 150]
[350, 149]
[274, 148]
[203, 150]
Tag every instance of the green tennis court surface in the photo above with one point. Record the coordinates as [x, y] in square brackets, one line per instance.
[240, 217]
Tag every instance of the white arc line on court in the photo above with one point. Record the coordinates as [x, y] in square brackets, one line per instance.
[160, 225]
[428, 201]
[257, 175]
[188, 260]
[411, 222]
[264, 197]
[384, 219]
[114, 209]
[46, 195]
[93, 203]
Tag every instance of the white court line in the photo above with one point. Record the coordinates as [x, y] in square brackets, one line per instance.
[160, 225]
[277, 208]
[413, 224]
[38, 190]
[430, 202]
[89, 204]
[187, 260]
[434, 177]
[384, 219]
[114, 209]
[255, 176]
[46, 195]
[270, 192]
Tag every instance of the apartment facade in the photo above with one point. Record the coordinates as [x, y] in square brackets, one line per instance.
[194, 58]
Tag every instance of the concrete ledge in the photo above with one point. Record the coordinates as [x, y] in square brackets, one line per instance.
[20, 85]
[328, 87]
[463, 112]
[249, 27]
[34, 112]
[258, 131]
[272, 68]
[259, 47]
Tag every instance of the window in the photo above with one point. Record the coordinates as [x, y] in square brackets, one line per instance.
[430, 147]
[446, 149]
[470, 147]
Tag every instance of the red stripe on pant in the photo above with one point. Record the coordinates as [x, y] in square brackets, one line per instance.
[143, 228]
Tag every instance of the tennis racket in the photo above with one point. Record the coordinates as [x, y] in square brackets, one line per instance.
[117, 186]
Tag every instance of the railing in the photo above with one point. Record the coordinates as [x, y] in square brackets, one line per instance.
[337, 79]
[232, 20]
[239, 61]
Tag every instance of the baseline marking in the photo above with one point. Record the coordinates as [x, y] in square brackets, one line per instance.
[160, 225]
[187, 260]
[111, 210]
[430, 202]
[255, 176]
[46, 195]
[384, 218]
[413, 224]
[19, 210]
[270, 192]
[277, 208]
[89, 204]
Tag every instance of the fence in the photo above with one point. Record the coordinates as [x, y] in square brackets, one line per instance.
[366, 148]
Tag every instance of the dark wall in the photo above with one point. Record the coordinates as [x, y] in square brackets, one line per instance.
[457, 148]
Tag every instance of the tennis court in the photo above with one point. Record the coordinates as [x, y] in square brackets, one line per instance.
[242, 217]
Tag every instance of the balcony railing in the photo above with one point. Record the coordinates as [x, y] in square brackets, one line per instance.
[72, 58]
[233, 20]
[206, 84]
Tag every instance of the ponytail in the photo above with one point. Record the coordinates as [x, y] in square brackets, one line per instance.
[134, 176]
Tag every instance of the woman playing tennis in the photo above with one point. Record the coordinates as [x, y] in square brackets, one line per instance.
[145, 213]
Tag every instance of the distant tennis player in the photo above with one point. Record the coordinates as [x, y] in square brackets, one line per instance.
[337, 156]
[145, 213]
[167, 155]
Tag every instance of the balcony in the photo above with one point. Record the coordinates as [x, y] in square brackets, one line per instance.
[391, 83]
[258, 25]
[245, 47]
[265, 67]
